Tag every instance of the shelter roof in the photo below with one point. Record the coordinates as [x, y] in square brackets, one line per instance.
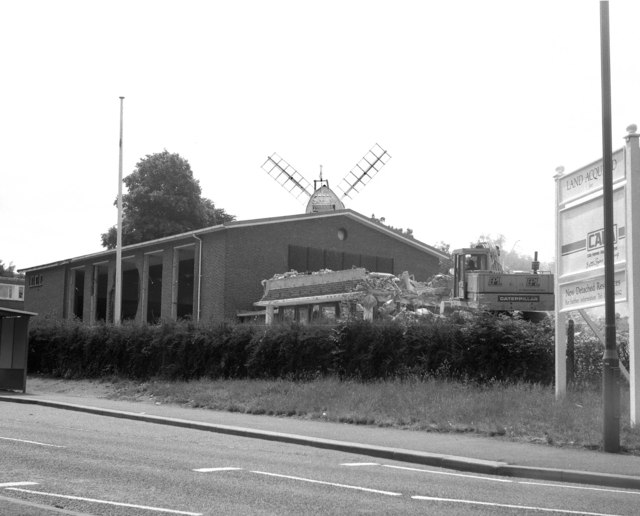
[321, 289]
[11, 312]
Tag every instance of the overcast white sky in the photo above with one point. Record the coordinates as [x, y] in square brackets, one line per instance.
[476, 102]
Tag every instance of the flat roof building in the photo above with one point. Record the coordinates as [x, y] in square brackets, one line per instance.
[213, 274]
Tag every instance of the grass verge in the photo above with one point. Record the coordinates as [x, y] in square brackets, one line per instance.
[518, 412]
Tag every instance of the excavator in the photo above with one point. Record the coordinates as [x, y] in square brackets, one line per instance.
[480, 283]
[477, 282]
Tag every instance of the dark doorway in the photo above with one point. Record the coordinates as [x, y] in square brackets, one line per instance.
[185, 287]
[78, 293]
[154, 290]
[130, 292]
[101, 287]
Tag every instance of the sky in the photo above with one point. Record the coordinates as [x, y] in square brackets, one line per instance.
[477, 104]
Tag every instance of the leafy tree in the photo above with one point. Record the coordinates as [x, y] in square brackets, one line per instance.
[163, 199]
[511, 259]
[446, 264]
[8, 271]
[407, 233]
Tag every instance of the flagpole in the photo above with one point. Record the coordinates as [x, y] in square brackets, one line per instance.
[117, 309]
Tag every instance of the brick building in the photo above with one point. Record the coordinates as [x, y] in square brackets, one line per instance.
[214, 273]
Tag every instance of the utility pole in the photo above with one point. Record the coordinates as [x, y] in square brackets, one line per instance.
[611, 370]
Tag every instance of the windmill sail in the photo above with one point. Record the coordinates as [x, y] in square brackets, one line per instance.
[288, 177]
[364, 171]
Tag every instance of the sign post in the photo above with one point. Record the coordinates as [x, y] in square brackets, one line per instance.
[633, 267]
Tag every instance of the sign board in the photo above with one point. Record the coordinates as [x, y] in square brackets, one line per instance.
[582, 235]
[580, 252]
[588, 180]
[589, 293]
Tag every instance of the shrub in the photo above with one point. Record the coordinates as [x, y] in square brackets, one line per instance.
[477, 347]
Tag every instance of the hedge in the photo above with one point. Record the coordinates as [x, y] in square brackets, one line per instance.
[479, 347]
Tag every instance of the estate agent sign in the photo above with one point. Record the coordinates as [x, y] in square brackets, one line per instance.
[580, 251]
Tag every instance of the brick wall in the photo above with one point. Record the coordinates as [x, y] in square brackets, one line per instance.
[12, 304]
[214, 276]
[258, 252]
[47, 299]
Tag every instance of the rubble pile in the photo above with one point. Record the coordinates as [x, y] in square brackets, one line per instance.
[391, 296]
[395, 294]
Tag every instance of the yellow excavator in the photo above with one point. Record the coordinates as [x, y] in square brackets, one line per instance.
[480, 283]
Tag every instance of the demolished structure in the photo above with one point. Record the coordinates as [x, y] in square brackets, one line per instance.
[352, 293]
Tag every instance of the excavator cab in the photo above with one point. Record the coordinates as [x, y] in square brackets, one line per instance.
[480, 283]
[465, 261]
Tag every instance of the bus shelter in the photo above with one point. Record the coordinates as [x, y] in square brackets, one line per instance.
[14, 344]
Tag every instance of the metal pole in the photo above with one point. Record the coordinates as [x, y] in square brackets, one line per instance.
[560, 326]
[611, 372]
[117, 309]
[571, 350]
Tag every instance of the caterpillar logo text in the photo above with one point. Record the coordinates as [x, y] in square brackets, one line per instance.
[519, 299]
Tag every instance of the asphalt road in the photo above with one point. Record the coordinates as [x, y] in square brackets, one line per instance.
[60, 462]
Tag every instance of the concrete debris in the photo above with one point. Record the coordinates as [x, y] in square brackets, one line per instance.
[397, 294]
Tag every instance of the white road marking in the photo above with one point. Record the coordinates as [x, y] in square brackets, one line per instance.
[210, 470]
[105, 502]
[16, 484]
[492, 479]
[509, 506]
[310, 480]
[559, 485]
[568, 486]
[32, 442]
[45, 508]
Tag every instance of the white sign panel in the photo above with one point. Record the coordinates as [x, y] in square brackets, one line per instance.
[580, 252]
[582, 232]
[589, 293]
[588, 179]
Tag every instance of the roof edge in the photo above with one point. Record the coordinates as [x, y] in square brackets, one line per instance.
[351, 213]
[252, 222]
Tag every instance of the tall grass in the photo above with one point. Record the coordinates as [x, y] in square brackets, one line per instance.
[520, 412]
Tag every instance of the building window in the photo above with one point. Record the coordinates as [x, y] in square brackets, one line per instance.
[303, 314]
[289, 314]
[13, 292]
[304, 259]
[329, 312]
[36, 280]
[325, 312]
